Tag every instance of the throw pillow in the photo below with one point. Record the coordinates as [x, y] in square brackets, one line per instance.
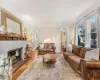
[49, 46]
[69, 48]
[83, 51]
[41, 45]
[92, 54]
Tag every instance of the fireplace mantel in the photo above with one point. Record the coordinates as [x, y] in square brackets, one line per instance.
[11, 37]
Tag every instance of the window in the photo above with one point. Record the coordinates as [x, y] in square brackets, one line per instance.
[81, 34]
[92, 32]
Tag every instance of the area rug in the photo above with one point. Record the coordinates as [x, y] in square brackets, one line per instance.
[62, 71]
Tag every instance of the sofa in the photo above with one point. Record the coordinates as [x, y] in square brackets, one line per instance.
[48, 48]
[87, 69]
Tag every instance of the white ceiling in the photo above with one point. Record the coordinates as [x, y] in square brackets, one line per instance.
[47, 12]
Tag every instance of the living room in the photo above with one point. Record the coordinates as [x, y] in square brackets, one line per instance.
[49, 40]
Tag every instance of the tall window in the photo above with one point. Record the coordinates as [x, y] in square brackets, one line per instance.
[81, 34]
[92, 32]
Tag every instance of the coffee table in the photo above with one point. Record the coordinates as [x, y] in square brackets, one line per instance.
[49, 58]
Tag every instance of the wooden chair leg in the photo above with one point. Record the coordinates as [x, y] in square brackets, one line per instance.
[43, 62]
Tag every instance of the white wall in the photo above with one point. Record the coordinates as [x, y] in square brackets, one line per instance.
[49, 32]
[71, 33]
[0, 16]
[46, 32]
[87, 11]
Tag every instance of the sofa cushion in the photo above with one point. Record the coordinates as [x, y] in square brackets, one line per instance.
[42, 50]
[45, 45]
[76, 49]
[49, 50]
[75, 60]
[49, 46]
[82, 52]
[69, 54]
[66, 54]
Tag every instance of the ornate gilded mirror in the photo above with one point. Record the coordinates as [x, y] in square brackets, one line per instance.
[12, 25]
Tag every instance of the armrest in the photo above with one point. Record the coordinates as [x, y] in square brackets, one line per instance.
[54, 48]
[91, 64]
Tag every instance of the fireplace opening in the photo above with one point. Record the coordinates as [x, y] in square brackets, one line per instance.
[15, 55]
[15, 59]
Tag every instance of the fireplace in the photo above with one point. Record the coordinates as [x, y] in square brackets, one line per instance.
[15, 59]
[15, 55]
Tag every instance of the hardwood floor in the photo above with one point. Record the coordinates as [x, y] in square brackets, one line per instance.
[24, 66]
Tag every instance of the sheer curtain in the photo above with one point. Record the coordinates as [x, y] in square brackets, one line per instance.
[34, 40]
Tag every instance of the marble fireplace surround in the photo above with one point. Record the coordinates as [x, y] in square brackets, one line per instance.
[6, 46]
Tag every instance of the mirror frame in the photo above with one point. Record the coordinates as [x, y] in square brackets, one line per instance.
[5, 14]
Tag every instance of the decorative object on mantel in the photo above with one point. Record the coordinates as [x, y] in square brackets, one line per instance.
[9, 30]
[2, 26]
[25, 32]
[4, 69]
[2, 31]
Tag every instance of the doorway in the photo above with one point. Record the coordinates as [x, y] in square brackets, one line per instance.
[64, 37]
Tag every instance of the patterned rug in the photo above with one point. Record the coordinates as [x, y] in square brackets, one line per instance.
[62, 71]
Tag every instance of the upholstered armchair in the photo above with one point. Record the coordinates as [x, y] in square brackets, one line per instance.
[90, 70]
[48, 48]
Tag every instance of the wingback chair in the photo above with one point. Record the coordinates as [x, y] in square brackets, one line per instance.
[48, 48]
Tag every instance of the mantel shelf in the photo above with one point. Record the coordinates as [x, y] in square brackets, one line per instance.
[11, 37]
